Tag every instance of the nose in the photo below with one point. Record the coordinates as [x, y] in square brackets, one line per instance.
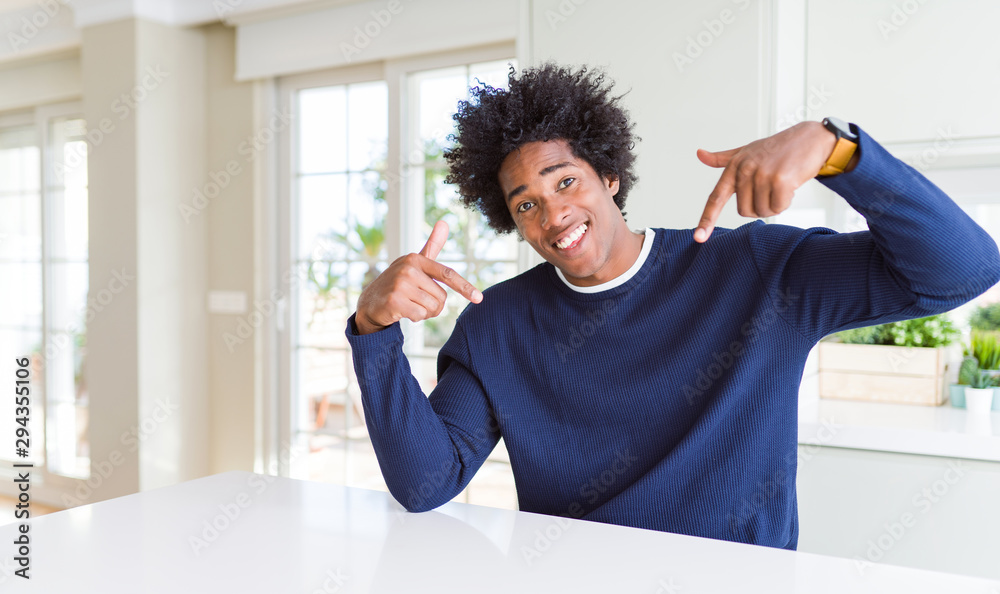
[554, 213]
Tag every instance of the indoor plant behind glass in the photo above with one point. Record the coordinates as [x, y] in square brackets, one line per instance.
[902, 362]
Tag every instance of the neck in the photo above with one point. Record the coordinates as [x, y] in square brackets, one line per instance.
[628, 246]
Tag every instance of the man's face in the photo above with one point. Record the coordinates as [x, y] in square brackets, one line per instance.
[564, 209]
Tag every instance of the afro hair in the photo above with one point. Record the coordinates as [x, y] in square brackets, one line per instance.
[546, 103]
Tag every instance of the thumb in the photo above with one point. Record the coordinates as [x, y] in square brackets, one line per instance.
[716, 159]
[439, 234]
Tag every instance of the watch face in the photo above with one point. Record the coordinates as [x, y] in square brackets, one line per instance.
[843, 127]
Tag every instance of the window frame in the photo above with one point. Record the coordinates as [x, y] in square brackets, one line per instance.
[48, 487]
[403, 226]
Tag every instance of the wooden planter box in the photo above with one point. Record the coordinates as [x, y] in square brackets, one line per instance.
[878, 373]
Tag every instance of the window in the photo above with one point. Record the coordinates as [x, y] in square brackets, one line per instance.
[364, 179]
[340, 209]
[472, 249]
[21, 267]
[44, 266]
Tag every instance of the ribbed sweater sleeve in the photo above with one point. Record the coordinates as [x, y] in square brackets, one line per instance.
[428, 447]
[921, 255]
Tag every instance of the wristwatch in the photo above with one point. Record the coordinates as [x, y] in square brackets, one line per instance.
[847, 143]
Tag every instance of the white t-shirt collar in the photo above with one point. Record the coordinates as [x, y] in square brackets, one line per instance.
[621, 279]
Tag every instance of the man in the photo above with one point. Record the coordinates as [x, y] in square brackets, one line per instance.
[649, 378]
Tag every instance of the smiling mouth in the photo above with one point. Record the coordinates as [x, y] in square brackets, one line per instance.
[572, 239]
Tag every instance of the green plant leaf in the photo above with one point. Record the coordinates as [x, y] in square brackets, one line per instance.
[986, 317]
[930, 332]
[968, 370]
[985, 347]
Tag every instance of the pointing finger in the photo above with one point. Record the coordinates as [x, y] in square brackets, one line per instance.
[448, 276]
[716, 200]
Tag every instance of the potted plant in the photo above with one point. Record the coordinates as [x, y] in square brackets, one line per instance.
[984, 348]
[987, 319]
[979, 386]
[902, 362]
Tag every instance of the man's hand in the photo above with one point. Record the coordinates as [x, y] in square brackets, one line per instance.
[765, 173]
[407, 288]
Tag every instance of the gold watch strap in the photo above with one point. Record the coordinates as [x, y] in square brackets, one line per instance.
[839, 158]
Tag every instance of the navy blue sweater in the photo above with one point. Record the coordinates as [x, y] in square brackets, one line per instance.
[669, 402]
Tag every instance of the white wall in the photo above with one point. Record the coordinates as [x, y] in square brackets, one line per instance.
[905, 69]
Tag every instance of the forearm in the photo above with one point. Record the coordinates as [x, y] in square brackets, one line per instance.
[425, 459]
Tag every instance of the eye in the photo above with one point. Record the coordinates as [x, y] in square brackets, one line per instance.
[524, 206]
[566, 182]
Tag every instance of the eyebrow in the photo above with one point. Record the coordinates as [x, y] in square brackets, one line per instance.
[513, 194]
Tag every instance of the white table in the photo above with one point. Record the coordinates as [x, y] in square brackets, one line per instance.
[292, 536]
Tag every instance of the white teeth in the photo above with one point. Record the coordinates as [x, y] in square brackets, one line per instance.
[572, 237]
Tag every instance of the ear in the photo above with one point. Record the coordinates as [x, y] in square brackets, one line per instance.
[611, 181]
